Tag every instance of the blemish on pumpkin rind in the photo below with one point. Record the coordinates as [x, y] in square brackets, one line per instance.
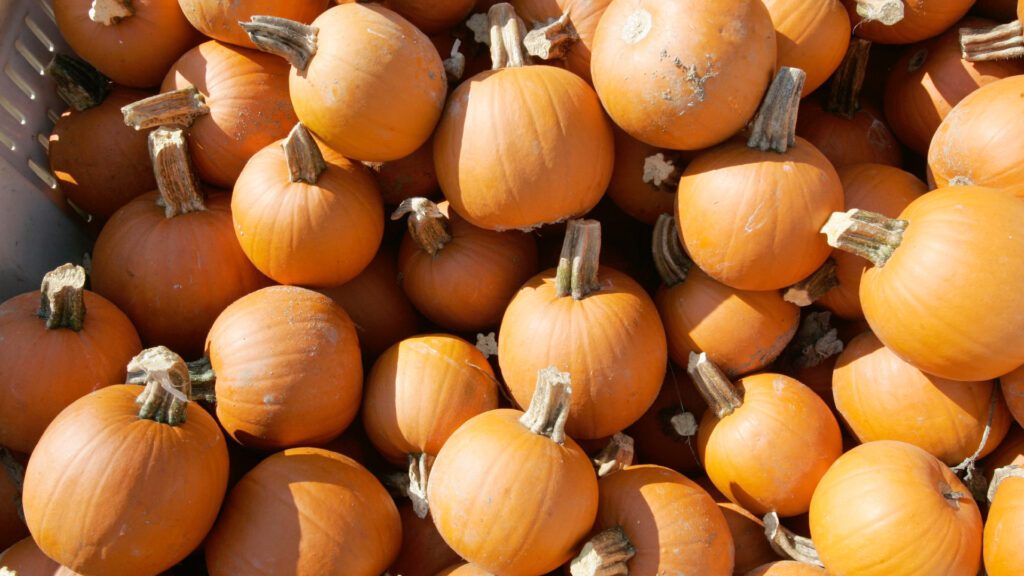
[637, 26]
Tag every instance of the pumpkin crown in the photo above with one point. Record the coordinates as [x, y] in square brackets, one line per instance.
[888, 12]
[787, 543]
[507, 32]
[669, 257]
[774, 126]
[110, 12]
[168, 386]
[615, 456]
[553, 40]
[713, 385]
[549, 408]
[175, 108]
[428, 226]
[608, 552]
[179, 189]
[869, 235]
[844, 90]
[291, 40]
[580, 260]
[305, 161]
[78, 84]
[1002, 42]
[810, 289]
[1000, 475]
[62, 298]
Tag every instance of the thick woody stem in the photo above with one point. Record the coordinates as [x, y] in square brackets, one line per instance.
[551, 40]
[455, 64]
[1002, 42]
[200, 373]
[428, 226]
[16, 472]
[291, 40]
[172, 166]
[844, 90]
[549, 408]
[78, 83]
[814, 342]
[1000, 475]
[177, 108]
[419, 474]
[810, 289]
[615, 456]
[580, 260]
[713, 385]
[787, 544]
[507, 32]
[966, 470]
[869, 235]
[888, 12]
[110, 12]
[774, 126]
[62, 298]
[305, 162]
[606, 554]
[167, 383]
[669, 257]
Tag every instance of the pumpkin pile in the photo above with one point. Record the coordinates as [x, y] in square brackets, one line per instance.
[598, 288]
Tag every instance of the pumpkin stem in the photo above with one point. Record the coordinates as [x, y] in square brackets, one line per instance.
[888, 12]
[815, 341]
[179, 188]
[1001, 474]
[966, 470]
[810, 289]
[487, 344]
[678, 423]
[615, 456]
[713, 385]
[291, 40]
[606, 554]
[774, 126]
[551, 40]
[62, 297]
[110, 12]
[305, 161]
[669, 258]
[455, 64]
[580, 260]
[16, 472]
[78, 84]
[480, 25]
[428, 225]
[788, 544]
[507, 32]
[1002, 42]
[419, 474]
[200, 373]
[167, 385]
[844, 90]
[870, 235]
[549, 408]
[661, 172]
[175, 108]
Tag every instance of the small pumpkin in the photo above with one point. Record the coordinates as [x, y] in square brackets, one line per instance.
[1003, 541]
[562, 30]
[904, 21]
[219, 20]
[25, 557]
[464, 569]
[787, 568]
[424, 552]
[667, 433]
[811, 36]
[644, 179]
[409, 177]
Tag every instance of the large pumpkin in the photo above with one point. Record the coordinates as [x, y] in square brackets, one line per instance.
[117, 489]
[219, 20]
[811, 35]
[1004, 541]
[904, 21]
[574, 42]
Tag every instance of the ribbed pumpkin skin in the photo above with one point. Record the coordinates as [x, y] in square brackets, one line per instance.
[881, 397]
[737, 206]
[219, 20]
[844, 141]
[431, 16]
[101, 179]
[42, 371]
[521, 147]
[392, 109]
[584, 16]
[771, 452]
[922, 19]
[424, 552]
[288, 368]
[135, 52]
[787, 568]
[421, 390]
[956, 236]
[172, 276]
[930, 79]
[103, 485]
[642, 200]
[1004, 540]
[673, 524]
[655, 440]
[611, 343]
[741, 331]
[811, 36]
[683, 91]
[876, 188]
[880, 510]
[511, 501]
[321, 234]
[26, 558]
[305, 512]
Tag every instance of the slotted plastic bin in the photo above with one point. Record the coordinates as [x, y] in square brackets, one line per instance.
[38, 229]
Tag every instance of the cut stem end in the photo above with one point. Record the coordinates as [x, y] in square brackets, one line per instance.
[549, 408]
[305, 161]
[167, 383]
[62, 298]
[1002, 42]
[713, 385]
[580, 260]
[606, 554]
[866, 234]
[428, 225]
[294, 41]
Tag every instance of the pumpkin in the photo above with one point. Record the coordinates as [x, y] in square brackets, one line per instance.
[59, 344]
[424, 552]
[702, 314]
[509, 491]
[811, 36]
[169, 258]
[219, 20]
[666, 433]
[797, 438]
[1003, 541]
[751, 547]
[1010, 451]
[927, 265]
[876, 188]
[431, 16]
[652, 520]
[644, 178]
[1012, 385]
[891, 508]
[12, 474]
[562, 29]
[407, 177]
[26, 558]
[683, 91]
[904, 21]
[930, 79]
[457, 275]
[544, 121]
[881, 397]
[464, 570]
[740, 202]
[305, 218]
[391, 109]
[787, 568]
[133, 42]
[1001, 10]
[126, 467]
[305, 511]
[593, 322]
[417, 394]
[288, 368]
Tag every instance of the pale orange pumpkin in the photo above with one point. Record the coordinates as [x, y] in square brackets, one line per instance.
[812, 36]
[1004, 541]
[904, 21]
[787, 568]
[219, 20]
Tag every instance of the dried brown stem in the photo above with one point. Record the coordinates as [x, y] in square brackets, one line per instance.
[580, 260]
[428, 226]
[167, 383]
[815, 341]
[966, 470]
[78, 84]
[551, 40]
[291, 40]
[888, 12]
[305, 162]
[419, 474]
[110, 12]
[549, 408]
[179, 188]
[713, 385]
[810, 289]
[869, 235]
[615, 456]
[844, 89]
[774, 126]
[507, 32]
[787, 544]
[606, 554]
[177, 108]
[62, 298]
[1002, 42]
[669, 257]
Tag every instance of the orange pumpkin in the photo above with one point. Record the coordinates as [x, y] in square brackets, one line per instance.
[1012, 385]
[683, 91]
[644, 179]
[12, 472]
[752, 549]
[904, 21]
[424, 552]
[219, 20]
[59, 344]
[364, 80]
[924, 280]
[666, 433]
[288, 368]
[305, 511]
[787, 568]
[573, 46]
[1003, 539]
[887, 508]
[464, 570]
[811, 36]
[155, 473]
[409, 177]
[431, 16]
[1010, 451]
[26, 558]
